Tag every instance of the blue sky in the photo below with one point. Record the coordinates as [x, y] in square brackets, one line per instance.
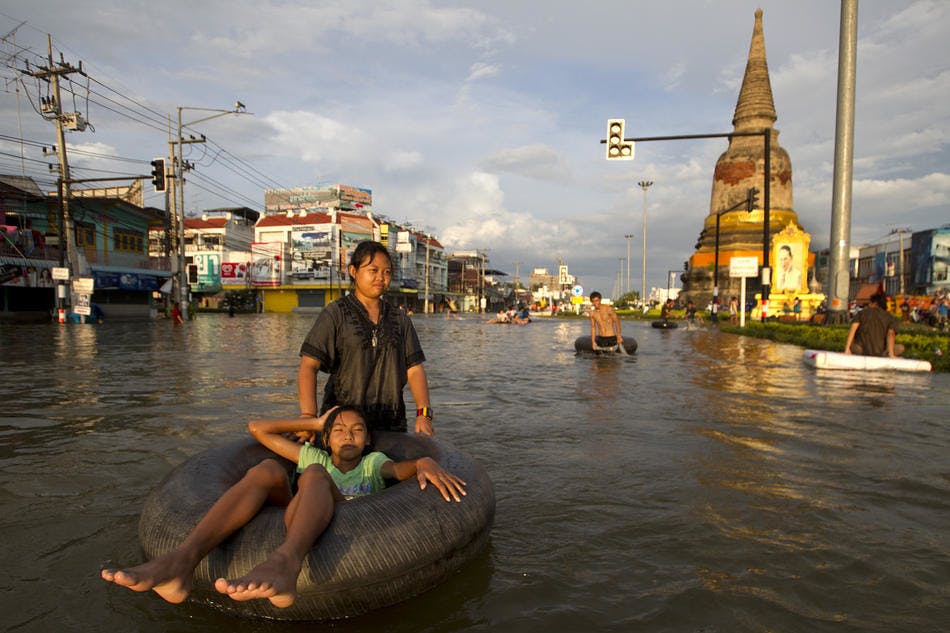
[481, 121]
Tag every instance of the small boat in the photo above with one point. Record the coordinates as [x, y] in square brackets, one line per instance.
[665, 324]
[583, 344]
[822, 359]
[378, 550]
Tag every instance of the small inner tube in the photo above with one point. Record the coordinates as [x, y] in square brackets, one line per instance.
[377, 551]
[665, 324]
[583, 344]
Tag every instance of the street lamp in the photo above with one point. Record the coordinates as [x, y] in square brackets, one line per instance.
[644, 184]
[620, 279]
[239, 108]
[628, 236]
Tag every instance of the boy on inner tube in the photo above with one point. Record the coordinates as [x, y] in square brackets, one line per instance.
[325, 479]
[604, 325]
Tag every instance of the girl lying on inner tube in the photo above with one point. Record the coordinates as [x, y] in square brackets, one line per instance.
[324, 480]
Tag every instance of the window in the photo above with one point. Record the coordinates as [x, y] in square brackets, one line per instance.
[85, 234]
[128, 241]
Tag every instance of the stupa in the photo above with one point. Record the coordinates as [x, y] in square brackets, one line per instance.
[739, 168]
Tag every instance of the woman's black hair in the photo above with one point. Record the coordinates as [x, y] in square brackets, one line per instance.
[331, 420]
[365, 251]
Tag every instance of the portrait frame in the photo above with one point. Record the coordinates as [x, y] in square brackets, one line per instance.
[791, 243]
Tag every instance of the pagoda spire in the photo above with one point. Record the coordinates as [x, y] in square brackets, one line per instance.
[755, 109]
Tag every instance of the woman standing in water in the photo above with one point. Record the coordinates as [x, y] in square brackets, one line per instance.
[369, 349]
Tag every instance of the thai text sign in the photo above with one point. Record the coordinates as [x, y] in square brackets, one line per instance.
[743, 266]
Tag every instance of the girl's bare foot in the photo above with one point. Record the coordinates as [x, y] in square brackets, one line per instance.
[274, 579]
[169, 575]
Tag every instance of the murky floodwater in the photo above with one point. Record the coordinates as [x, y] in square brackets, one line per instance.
[709, 483]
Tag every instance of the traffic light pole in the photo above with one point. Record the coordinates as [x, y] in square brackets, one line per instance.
[748, 203]
[766, 135]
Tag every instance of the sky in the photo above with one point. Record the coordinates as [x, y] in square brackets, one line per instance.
[481, 122]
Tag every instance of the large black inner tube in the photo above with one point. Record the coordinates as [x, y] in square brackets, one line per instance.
[583, 344]
[377, 551]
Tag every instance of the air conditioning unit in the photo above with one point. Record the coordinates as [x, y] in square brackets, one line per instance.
[74, 121]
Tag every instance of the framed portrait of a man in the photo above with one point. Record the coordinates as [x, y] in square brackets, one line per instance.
[788, 267]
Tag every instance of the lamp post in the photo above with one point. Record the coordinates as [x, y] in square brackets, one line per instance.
[180, 192]
[628, 236]
[620, 279]
[425, 309]
[644, 184]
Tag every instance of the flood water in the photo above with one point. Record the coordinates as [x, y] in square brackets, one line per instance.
[709, 483]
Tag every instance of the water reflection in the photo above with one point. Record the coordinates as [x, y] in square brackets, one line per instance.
[708, 482]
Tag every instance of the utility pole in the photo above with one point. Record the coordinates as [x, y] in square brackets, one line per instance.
[900, 256]
[620, 279]
[67, 257]
[482, 300]
[171, 202]
[425, 310]
[517, 283]
[628, 236]
[180, 167]
[838, 273]
[644, 184]
[184, 289]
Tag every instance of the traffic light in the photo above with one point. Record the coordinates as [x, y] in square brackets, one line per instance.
[192, 273]
[158, 174]
[752, 199]
[617, 148]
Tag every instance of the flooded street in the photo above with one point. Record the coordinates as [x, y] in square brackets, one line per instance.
[709, 483]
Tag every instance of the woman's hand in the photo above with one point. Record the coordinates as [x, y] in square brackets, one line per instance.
[427, 470]
[424, 426]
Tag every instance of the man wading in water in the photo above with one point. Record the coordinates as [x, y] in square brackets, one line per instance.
[604, 326]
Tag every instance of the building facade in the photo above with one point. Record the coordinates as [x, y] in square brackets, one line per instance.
[107, 256]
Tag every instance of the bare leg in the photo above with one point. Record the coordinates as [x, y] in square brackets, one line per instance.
[170, 575]
[307, 516]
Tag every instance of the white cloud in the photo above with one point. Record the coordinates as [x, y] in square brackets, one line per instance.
[673, 76]
[481, 70]
[539, 162]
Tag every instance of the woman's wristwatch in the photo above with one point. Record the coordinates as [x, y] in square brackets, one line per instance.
[424, 411]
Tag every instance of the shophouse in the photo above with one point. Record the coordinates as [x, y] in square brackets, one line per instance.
[109, 231]
[218, 253]
[904, 263]
[27, 255]
[302, 246]
[476, 287]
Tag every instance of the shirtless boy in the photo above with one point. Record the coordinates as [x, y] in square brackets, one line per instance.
[604, 325]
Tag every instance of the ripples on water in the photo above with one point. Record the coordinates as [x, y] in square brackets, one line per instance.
[707, 483]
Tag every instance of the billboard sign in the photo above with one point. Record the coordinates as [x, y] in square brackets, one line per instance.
[266, 263]
[311, 253]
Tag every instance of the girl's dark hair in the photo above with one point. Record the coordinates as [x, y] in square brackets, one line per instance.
[332, 418]
[365, 251]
